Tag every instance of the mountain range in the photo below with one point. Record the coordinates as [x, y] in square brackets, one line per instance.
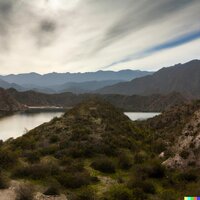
[182, 78]
[70, 82]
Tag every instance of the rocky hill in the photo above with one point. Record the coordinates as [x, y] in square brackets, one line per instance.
[182, 78]
[152, 103]
[179, 131]
[8, 104]
[95, 152]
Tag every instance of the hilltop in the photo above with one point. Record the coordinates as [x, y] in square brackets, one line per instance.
[95, 152]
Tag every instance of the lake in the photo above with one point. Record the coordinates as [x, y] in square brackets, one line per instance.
[19, 123]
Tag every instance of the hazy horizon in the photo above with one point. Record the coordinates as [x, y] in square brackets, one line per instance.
[86, 35]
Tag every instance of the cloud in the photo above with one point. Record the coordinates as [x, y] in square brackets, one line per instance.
[166, 45]
[87, 35]
[146, 14]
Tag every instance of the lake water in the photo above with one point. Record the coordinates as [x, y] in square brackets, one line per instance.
[141, 115]
[19, 123]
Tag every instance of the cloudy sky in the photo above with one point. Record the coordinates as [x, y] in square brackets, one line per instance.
[89, 35]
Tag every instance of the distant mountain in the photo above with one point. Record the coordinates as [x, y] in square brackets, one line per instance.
[50, 79]
[83, 87]
[182, 78]
[6, 85]
[127, 103]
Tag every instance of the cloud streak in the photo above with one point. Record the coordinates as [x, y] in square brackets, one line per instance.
[86, 35]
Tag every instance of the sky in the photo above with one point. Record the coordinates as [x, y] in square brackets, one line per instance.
[88, 35]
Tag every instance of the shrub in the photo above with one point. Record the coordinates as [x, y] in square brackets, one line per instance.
[140, 158]
[52, 190]
[184, 154]
[188, 176]
[35, 171]
[168, 195]
[7, 158]
[156, 171]
[86, 194]
[148, 187]
[144, 185]
[4, 181]
[74, 180]
[54, 139]
[32, 157]
[119, 193]
[138, 194]
[124, 161]
[25, 192]
[104, 165]
[152, 170]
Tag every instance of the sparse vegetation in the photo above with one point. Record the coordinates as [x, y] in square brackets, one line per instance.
[94, 152]
[25, 192]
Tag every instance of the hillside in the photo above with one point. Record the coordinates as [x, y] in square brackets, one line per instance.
[127, 103]
[172, 79]
[6, 85]
[178, 132]
[8, 104]
[94, 152]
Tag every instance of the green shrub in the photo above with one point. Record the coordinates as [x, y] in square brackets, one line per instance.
[189, 176]
[139, 158]
[119, 193]
[144, 185]
[32, 156]
[168, 195]
[86, 194]
[148, 187]
[138, 194]
[7, 159]
[104, 165]
[25, 192]
[124, 161]
[74, 180]
[35, 171]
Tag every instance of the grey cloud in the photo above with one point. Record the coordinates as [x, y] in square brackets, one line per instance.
[47, 26]
[45, 33]
[136, 19]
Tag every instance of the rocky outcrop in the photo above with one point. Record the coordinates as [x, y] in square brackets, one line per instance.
[179, 128]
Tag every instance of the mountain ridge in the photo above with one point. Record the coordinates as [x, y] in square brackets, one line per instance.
[171, 79]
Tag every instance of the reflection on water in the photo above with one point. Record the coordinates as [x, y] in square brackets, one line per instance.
[141, 115]
[19, 123]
